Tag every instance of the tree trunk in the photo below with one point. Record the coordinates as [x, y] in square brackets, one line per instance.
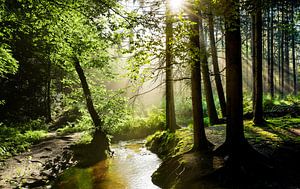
[257, 47]
[269, 45]
[214, 56]
[100, 143]
[272, 55]
[253, 53]
[211, 108]
[282, 52]
[293, 54]
[87, 94]
[48, 94]
[235, 138]
[200, 140]
[170, 104]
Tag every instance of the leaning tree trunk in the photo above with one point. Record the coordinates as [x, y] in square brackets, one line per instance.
[214, 57]
[200, 140]
[170, 104]
[100, 142]
[87, 94]
[211, 108]
[258, 86]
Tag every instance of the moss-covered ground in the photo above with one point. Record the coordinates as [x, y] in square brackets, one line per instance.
[278, 139]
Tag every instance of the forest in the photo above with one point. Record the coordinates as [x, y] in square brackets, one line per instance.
[142, 94]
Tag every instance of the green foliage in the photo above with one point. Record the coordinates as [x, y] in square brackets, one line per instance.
[247, 103]
[17, 138]
[8, 64]
[184, 113]
[83, 124]
[138, 127]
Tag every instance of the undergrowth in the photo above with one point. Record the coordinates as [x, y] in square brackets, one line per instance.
[18, 137]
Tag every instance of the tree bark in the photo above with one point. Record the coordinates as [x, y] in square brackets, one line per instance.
[170, 104]
[211, 108]
[257, 76]
[200, 140]
[272, 54]
[48, 94]
[87, 94]
[234, 128]
[100, 143]
[282, 52]
[214, 56]
[293, 54]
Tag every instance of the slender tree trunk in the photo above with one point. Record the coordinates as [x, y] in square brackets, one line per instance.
[269, 47]
[248, 64]
[100, 142]
[253, 55]
[214, 55]
[211, 108]
[258, 85]
[272, 55]
[48, 94]
[293, 55]
[87, 94]
[287, 62]
[170, 104]
[200, 140]
[282, 51]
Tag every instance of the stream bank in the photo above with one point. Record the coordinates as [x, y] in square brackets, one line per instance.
[182, 168]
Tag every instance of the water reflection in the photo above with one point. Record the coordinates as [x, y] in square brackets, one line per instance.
[131, 167]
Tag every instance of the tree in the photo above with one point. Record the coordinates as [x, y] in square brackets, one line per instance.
[211, 108]
[234, 127]
[216, 69]
[170, 106]
[257, 75]
[200, 140]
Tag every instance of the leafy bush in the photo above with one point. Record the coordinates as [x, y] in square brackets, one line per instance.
[14, 140]
[83, 124]
[139, 127]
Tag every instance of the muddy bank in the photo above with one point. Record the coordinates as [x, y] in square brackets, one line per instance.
[42, 162]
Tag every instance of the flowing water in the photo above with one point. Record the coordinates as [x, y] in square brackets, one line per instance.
[130, 167]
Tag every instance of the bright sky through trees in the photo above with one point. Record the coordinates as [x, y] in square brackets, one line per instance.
[176, 5]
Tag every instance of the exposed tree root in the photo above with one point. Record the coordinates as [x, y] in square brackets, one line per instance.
[97, 150]
[242, 167]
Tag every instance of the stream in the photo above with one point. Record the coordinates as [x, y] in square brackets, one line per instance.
[130, 167]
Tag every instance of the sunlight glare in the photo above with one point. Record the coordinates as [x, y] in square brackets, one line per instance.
[176, 5]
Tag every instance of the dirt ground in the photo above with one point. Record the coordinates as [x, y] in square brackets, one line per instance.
[32, 168]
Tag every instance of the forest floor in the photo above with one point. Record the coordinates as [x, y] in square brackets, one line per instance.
[41, 162]
[279, 140]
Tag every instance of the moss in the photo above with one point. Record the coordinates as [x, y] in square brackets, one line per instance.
[167, 144]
